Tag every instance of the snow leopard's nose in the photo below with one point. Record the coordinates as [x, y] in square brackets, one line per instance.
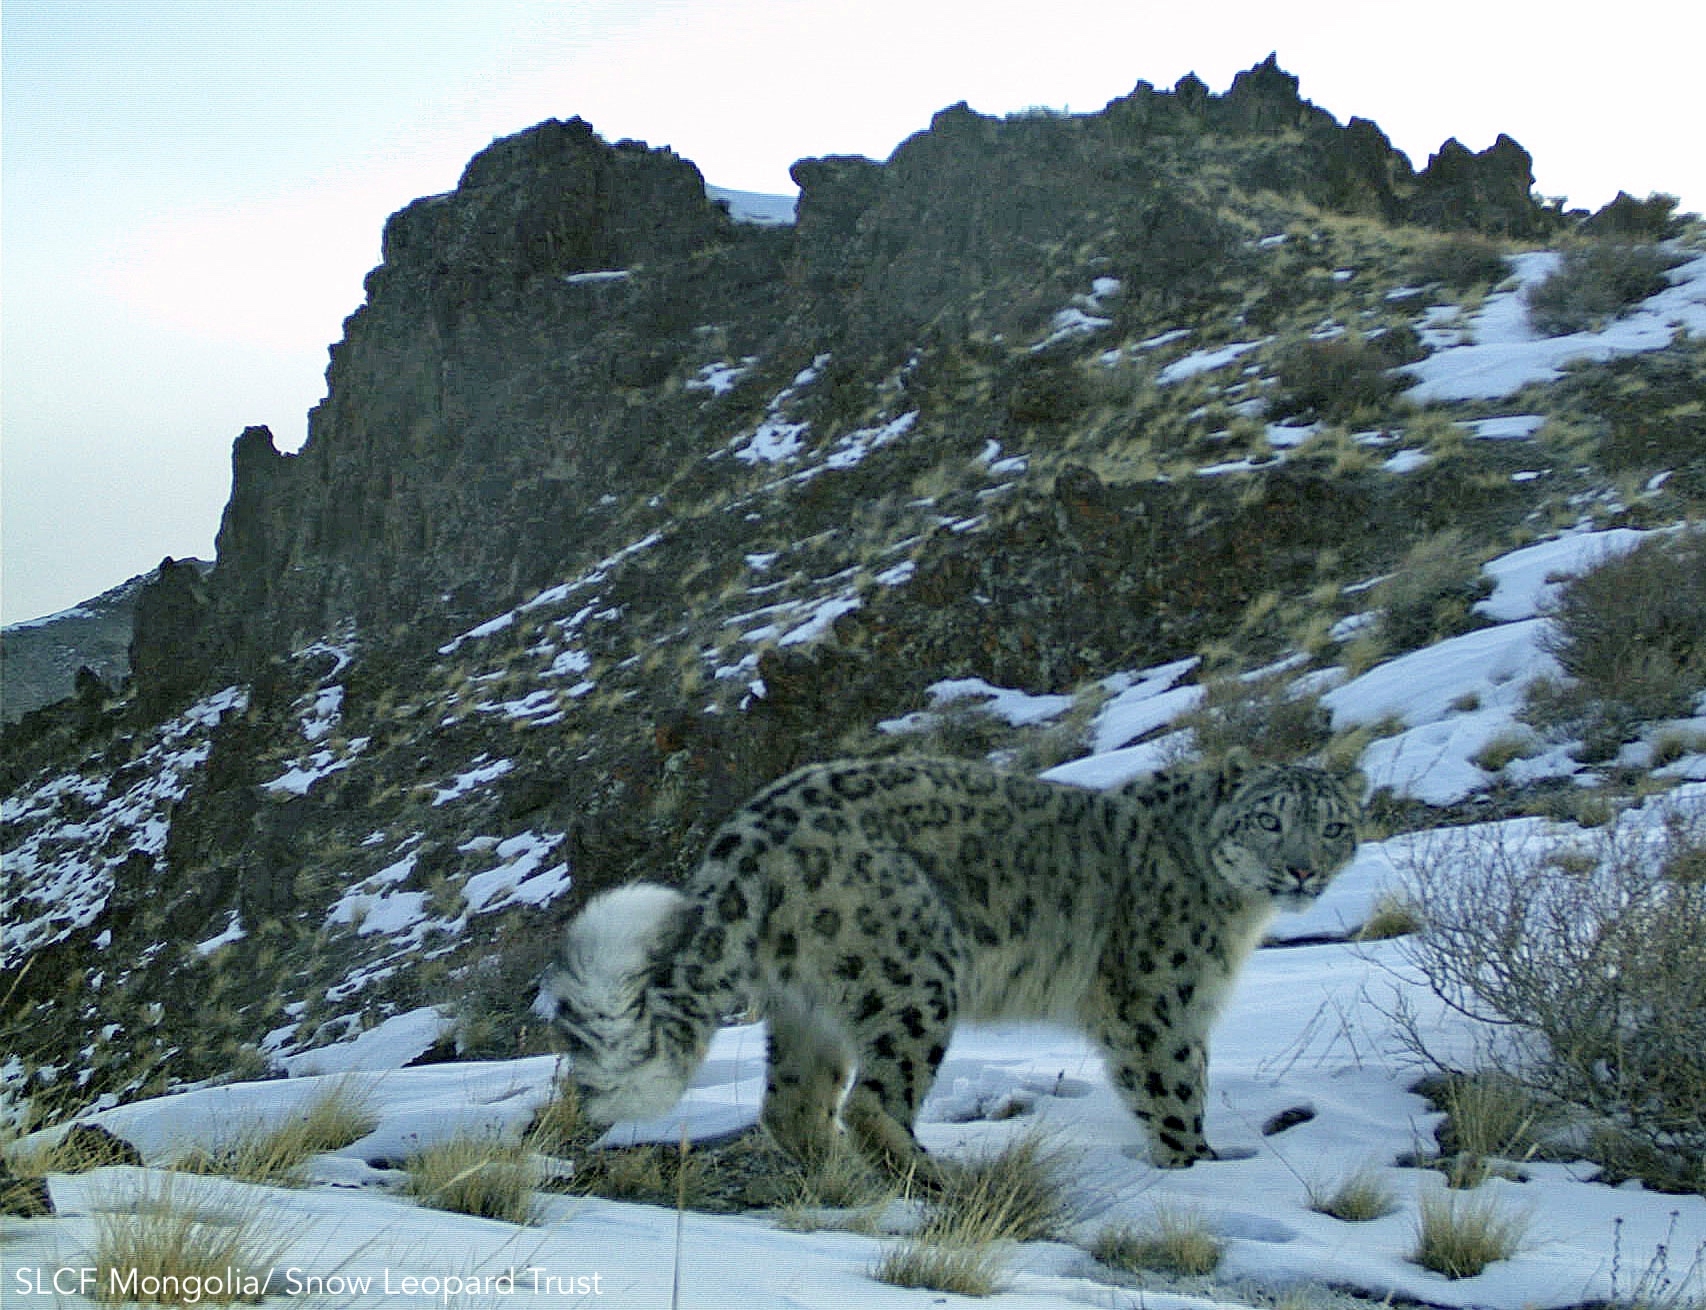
[1302, 877]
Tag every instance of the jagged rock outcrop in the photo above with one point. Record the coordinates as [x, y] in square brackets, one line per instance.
[481, 403]
[1492, 191]
[516, 375]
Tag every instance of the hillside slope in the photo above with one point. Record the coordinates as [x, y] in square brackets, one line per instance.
[618, 508]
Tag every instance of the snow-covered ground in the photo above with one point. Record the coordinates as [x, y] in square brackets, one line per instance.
[1308, 1030]
[1504, 353]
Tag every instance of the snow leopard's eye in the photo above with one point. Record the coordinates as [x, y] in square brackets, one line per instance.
[1335, 830]
[1269, 821]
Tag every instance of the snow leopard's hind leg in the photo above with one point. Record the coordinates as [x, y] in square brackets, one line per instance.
[900, 1009]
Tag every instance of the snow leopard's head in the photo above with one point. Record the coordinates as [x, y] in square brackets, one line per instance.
[1284, 830]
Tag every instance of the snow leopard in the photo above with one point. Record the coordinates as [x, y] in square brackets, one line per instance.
[865, 907]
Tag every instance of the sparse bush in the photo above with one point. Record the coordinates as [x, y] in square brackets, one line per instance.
[1334, 380]
[965, 728]
[1358, 1197]
[1459, 1236]
[1596, 282]
[1176, 1240]
[1265, 716]
[1628, 219]
[1632, 630]
[1591, 984]
[489, 1025]
[1046, 391]
[1430, 593]
[1461, 262]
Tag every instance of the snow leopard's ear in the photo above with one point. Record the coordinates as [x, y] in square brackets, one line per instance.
[1231, 769]
[1236, 764]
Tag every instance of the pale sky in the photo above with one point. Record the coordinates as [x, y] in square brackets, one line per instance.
[194, 189]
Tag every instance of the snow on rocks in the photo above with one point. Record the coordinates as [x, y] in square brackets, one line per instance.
[852, 447]
[777, 439]
[521, 876]
[1018, 708]
[320, 713]
[1457, 696]
[1206, 361]
[554, 596]
[482, 770]
[1453, 697]
[78, 828]
[1527, 580]
[721, 377]
[1142, 702]
[1506, 427]
[1504, 353]
[1082, 318]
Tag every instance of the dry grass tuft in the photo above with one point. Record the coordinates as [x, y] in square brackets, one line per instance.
[1013, 1195]
[162, 1249]
[1392, 915]
[1176, 1240]
[483, 1176]
[340, 1113]
[969, 1267]
[1359, 1197]
[1459, 1235]
[1018, 1192]
[844, 1191]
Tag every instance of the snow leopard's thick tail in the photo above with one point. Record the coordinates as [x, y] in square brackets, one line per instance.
[635, 1031]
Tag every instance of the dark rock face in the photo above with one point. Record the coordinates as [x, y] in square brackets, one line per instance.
[1487, 192]
[95, 1147]
[170, 654]
[481, 401]
[517, 367]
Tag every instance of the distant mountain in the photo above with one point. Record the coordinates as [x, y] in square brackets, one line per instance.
[39, 658]
[755, 206]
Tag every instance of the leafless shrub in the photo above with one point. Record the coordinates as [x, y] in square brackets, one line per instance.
[1590, 979]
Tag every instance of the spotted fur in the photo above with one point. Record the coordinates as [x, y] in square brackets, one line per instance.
[866, 907]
